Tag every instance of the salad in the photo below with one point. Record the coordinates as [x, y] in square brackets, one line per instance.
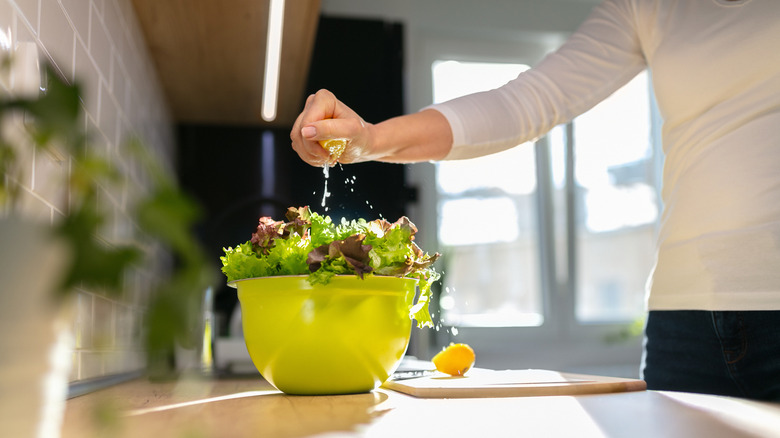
[308, 243]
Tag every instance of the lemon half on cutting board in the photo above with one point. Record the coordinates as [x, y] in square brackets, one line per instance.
[455, 359]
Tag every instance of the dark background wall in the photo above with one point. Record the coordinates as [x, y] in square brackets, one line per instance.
[239, 173]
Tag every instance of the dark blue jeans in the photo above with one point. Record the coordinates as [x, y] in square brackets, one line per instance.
[735, 353]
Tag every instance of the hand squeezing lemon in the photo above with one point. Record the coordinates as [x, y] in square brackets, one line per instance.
[335, 146]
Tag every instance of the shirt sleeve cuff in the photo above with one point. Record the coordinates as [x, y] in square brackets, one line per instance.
[458, 134]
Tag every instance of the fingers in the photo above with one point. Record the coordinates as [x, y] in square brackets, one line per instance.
[324, 117]
[307, 147]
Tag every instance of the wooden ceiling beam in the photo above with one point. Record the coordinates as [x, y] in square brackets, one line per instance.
[210, 56]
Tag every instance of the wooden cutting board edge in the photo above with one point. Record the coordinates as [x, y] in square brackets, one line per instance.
[583, 384]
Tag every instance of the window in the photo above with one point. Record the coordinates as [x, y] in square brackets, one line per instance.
[616, 205]
[487, 219]
[595, 185]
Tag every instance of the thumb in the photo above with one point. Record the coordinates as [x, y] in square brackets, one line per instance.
[309, 132]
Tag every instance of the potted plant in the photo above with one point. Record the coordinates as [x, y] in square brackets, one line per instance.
[43, 264]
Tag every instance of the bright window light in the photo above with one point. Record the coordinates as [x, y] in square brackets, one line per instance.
[462, 219]
[455, 78]
[486, 212]
[273, 53]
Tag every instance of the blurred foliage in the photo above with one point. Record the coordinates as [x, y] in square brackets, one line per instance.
[627, 332]
[53, 122]
[106, 418]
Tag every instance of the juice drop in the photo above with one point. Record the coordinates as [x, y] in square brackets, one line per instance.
[325, 193]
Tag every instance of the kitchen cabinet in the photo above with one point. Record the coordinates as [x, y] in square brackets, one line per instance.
[210, 57]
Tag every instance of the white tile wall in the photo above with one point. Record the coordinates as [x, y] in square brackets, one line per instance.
[99, 44]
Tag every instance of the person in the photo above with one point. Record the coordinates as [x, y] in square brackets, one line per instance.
[713, 302]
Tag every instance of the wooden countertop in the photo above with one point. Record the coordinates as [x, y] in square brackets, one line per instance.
[250, 407]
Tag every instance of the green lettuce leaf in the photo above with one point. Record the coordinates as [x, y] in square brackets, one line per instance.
[242, 262]
[288, 256]
[421, 309]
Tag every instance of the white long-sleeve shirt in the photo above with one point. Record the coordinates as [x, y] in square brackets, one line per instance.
[715, 67]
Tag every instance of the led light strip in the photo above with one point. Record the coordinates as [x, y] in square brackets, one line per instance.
[273, 53]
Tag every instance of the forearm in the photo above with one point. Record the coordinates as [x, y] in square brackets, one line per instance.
[421, 136]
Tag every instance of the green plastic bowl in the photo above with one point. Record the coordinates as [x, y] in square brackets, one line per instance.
[342, 338]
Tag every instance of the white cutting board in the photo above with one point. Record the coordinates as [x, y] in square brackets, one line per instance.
[479, 382]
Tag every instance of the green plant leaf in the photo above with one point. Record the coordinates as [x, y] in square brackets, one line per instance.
[93, 264]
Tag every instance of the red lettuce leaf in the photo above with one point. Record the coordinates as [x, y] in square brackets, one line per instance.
[267, 230]
[351, 249]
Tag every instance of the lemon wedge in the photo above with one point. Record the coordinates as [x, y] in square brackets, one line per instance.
[335, 146]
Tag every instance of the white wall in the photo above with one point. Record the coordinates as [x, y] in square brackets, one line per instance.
[98, 43]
